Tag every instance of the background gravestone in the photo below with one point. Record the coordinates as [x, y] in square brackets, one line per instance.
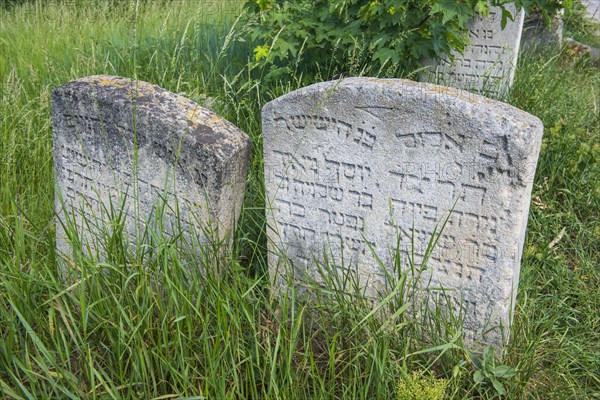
[489, 61]
[350, 165]
[189, 160]
[538, 35]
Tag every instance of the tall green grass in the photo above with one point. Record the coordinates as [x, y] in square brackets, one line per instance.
[151, 327]
[558, 306]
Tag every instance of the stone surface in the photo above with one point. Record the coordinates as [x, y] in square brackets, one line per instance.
[189, 160]
[489, 61]
[592, 9]
[578, 49]
[539, 36]
[352, 164]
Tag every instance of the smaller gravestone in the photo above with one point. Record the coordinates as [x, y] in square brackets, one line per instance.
[538, 35]
[489, 61]
[592, 9]
[128, 147]
[578, 49]
[364, 167]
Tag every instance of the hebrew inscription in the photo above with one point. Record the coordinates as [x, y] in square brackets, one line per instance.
[489, 61]
[132, 152]
[355, 165]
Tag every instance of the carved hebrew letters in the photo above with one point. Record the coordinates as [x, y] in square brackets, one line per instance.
[354, 166]
[160, 157]
[489, 61]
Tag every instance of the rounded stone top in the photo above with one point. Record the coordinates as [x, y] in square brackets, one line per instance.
[392, 91]
[157, 107]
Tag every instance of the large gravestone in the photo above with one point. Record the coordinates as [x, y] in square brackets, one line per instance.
[128, 147]
[489, 61]
[352, 165]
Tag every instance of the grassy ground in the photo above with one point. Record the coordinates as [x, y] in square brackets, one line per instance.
[151, 328]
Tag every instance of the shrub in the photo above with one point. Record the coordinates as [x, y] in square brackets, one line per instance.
[388, 37]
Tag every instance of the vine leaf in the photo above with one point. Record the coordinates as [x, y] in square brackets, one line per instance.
[451, 9]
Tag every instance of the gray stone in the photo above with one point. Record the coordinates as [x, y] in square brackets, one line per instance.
[125, 143]
[489, 61]
[592, 9]
[539, 36]
[578, 49]
[353, 164]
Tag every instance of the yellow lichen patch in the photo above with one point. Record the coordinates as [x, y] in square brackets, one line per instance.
[199, 116]
[146, 87]
[140, 88]
[108, 82]
[215, 121]
[143, 88]
[183, 100]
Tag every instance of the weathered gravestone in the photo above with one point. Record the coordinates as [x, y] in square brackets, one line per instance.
[538, 35]
[350, 165]
[135, 147]
[489, 61]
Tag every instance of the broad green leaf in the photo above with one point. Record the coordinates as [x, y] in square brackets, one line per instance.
[284, 47]
[498, 386]
[261, 52]
[476, 361]
[506, 15]
[482, 7]
[504, 371]
[383, 54]
[478, 376]
[488, 357]
[265, 4]
[451, 9]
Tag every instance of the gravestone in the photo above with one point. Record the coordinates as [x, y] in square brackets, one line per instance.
[538, 35]
[489, 61]
[352, 165]
[146, 153]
